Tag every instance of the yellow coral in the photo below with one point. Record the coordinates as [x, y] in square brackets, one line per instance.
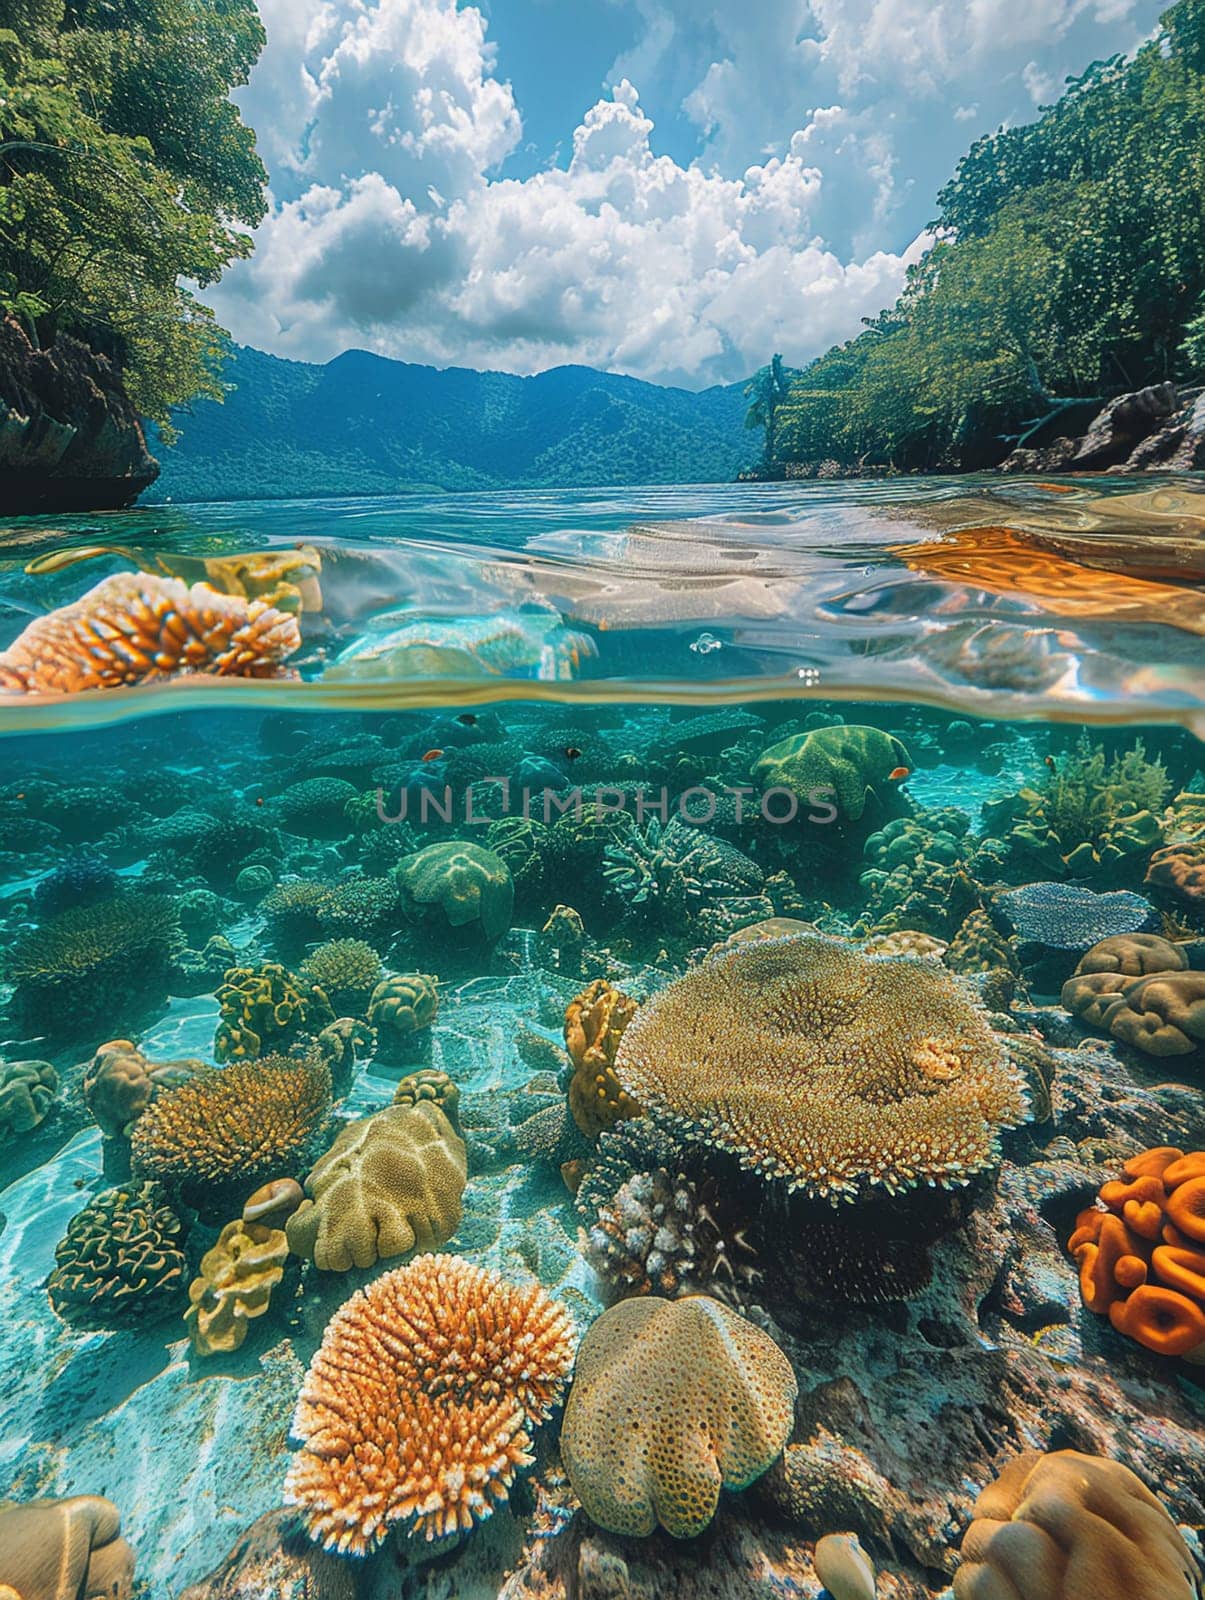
[672, 1400]
[235, 1284]
[416, 1408]
[594, 1024]
[825, 1067]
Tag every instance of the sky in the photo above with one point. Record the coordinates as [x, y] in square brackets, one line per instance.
[673, 189]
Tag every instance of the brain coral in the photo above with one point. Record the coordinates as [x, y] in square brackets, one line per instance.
[825, 1067]
[401, 1005]
[245, 1122]
[390, 1183]
[121, 1260]
[854, 763]
[1179, 869]
[459, 886]
[416, 1408]
[1139, 988]
[347, 971]
[594, 1024]
[316, 808]
[134, 627]
[120, 1082]
[27, 1091]
[1067, 1526]
[235, 1284]
[266, 1006]
[1141, 1252]
[55, 1548]
[672, 1400]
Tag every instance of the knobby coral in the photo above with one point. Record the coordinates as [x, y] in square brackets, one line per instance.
[121, 1260]
[266, 1006]
[669, 871]
[1141, 1252]
[417, 1407]
[1067, 1526]
[814, 1063]
[235, 1284]
[390, 1184]
[672, 1400]
[27, 1091]
[135, 627]
[594, 1024]
[250, 1120]
[120, 1082]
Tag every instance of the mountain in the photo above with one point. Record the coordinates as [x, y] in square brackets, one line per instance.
[363, 425]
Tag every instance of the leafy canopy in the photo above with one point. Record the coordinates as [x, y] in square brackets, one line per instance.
[125, 171]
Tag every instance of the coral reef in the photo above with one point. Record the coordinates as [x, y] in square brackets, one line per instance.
[594, 1024]
[1141, 1252]
[457, 889]
[390, 1184]
[27, 1093]
[832, 1070]
[416, 1408]
[1069, 1526]
[400, 1006]
[672, 1400]
[346, 971]
[848, 765]
[267, 1008]
[53, 1549]
[235, 1284]
[120, 1083]
[121, 1260]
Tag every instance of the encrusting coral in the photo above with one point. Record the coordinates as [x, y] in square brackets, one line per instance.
[267, 1007]
[135, 627]
[235, 1284]
[1141, 1252]
[27, 1091]
[121, 1260]
[672, 1400]
[1068, 1526]
[417, 1407]
[390, 1184]
[55, 1549]
[824, 1067]
[250, 1120]
[594, 1024]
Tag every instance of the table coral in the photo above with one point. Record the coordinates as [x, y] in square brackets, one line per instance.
[1068, 1526]
[27, 1092]
[267, 1007]
[672, 1400]
[390, 1184]
[134, 627]
[417, 1407]
[457, 887]
[235, 1284]
[51, 1549]
[824, 1067]
[851, 765]
[1141, 1252]
[594, 1024]
[121, 1260]
[251, 1120]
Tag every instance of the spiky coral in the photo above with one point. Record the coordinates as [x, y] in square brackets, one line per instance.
[134, 627]
[830, 1069]
[417, 1406]
[248, 1121]
[670, 871]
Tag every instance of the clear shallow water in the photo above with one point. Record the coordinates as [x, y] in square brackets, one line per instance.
[1028, 663]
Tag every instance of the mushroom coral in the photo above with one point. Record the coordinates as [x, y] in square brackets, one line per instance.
[672, 1400]
[400, 1005]
[832, 1070]
[135, 627]
[51, 1549]
[416, 1408]
[1067, 1526]
[1141, 1252]
[390, 1183]
[594, 1024]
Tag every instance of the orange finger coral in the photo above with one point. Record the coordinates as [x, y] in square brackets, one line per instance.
[1141, 1252]
[416, 1407]
[830, 1069]
[134, 627]
[594, 1024]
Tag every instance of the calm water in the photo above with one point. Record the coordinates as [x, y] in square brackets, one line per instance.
[776, 911]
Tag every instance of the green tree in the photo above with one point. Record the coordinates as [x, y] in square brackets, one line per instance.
[766, 391]
[125, 173]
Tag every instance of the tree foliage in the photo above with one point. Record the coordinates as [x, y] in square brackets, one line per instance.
[125, 173]
[1069, 262]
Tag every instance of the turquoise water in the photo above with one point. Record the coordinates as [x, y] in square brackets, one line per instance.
[829, 794]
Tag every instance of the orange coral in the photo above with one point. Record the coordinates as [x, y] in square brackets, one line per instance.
[135, 627]
[416, 1407]
[1141, 1252]
[594, 1024]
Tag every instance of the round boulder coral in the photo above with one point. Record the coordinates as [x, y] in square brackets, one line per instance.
[235, 1284]
[1067, 1526]
[390, 1184]
[121, 1260]
[459, 888]
[51, 1549]
[401, 1005]
[824, 1067]
[315, 808]
[849, 765]
[416, 1409]
[672, 1400]
[27, 1091]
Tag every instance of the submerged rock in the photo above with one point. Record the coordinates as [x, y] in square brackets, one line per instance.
[275, 1557]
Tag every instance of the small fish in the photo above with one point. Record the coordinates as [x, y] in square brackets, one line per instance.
[259, 799]
[468, 718]
[572, 752]
[433, 755]
[1051, 763]
[898, 774]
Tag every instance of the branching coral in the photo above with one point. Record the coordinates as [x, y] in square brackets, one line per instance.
[266, 1007]
[1141, 1252]
[669, 871]
[830, 1069]
[594, 1024]
[347, 971]
[672, 1400]
[416, 1410]
[121, 1260]
[27, 1091]
[235, 1284]
[1067, 1526]
[248, 1121]
[134, 627]
[390, 1184]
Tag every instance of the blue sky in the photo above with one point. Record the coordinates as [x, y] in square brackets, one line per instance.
[669, 188]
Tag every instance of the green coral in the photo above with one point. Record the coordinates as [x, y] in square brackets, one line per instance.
[266, 1007]
[121, 1261]
[459, 888]
[852, 763]
[27, 1091]
[316, 808]
[347, 971]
